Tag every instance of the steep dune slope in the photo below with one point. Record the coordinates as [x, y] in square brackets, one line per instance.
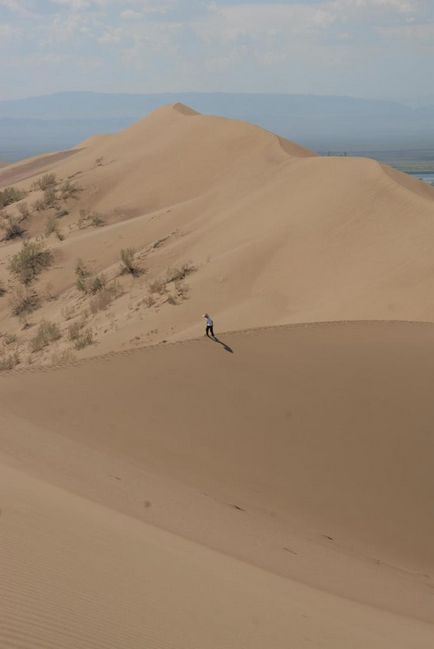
[307, 450]
[275, 234]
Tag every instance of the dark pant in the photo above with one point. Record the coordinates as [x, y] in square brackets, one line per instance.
[210, 329]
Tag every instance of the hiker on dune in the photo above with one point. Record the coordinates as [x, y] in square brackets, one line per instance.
[209, 325]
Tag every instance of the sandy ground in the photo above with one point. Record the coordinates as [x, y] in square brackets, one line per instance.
[269, 489]
[292, 478]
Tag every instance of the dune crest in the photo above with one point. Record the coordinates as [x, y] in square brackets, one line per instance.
[270, 232]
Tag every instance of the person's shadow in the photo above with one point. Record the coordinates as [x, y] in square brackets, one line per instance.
[220, 342]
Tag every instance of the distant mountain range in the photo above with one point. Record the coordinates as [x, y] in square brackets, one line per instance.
[324, 123]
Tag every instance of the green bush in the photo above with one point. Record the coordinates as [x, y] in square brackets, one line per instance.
[32, 259]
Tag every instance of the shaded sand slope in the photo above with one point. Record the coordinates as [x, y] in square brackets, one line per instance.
[78, 575]
[307, 452]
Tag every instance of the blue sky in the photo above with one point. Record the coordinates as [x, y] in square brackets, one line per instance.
[363, 48]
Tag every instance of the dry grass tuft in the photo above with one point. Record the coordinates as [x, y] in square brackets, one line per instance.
[47, 181]
[9, 361]
[32, 259]
[104, 298]
[128, 263]
[23, 301]
[11, 228]
[80, 336]
[180, 272]
[52, 226]
[10, 195]
[47, 333]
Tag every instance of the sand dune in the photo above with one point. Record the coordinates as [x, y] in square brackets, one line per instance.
[273, 488]
[277, 234]
[294, 476]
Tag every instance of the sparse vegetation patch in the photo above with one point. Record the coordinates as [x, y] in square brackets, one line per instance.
[88, 219]
[47, 181]
[52, 226]
[69, 189]
[32, 259]
[104, 298]
[47, 333]
[180, 272]
[9, 361]
[10, 195]
[80, 336]
[128, 263]
[23, 301]
[11, 228]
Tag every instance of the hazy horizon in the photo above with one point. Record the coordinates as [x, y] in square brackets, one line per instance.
[369, 49]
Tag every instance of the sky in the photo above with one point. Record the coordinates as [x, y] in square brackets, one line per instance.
[363, 48]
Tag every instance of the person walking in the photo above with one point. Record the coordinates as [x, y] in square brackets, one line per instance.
[209, 325]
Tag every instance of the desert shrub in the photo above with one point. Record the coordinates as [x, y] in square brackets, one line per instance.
[82, 274]
[61, 213]
[10, 195]
[96, 220]
[24, 211]
[84, 339]
[104, 298]
[47, 333]
[96, 284]
[74, 330]
[157, 286]
[88, 218]
[9, 361]
[180, 272]
[47, 181]
[12, 228]
[128, 263]
[23, 301]
[2, 288]
[99, 161]
[50, 197]
[52, 226]
[32, 259]
[69, 189]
